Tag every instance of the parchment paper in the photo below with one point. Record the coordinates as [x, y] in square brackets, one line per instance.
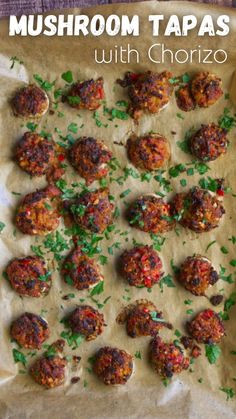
[144, 396]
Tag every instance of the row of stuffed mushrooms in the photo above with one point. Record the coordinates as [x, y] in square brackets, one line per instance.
[148, 92]
[113, 365]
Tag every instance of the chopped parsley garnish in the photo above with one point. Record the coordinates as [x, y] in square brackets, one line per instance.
[163, 182]
[67, 193]
[56, 244]
[179, 115]
[229, 391]
[168, 281]
[186, 78]
[146, 177]
[37, 250]
[111, 248]
[73, 339]
[2, 226]
[116, 113]
[158, 241]
[183, 182]
[58, 93]
[74, 100]
[165, 382]
[125, 193]
[98, 289]
[96, 117]
[19, 357]
[210, 244]
[14, 60]
[138, 355]
[226, 278]
[212, 353]
[50, 350]
[67, 76]
[232, 239]
[45, 277]
[190, 311]
[177, 333]
[227, 121]
[175, 269]
[73, 127]
[176, 170]
[156, 317]
[184, 145]
[230, 302]
[44, 84]
[103, 259]
[31, 126]
[174, 80]
[122, 103]
[224, 250]
[209, 183]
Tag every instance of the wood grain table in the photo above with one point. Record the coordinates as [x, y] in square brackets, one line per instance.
[19, 7]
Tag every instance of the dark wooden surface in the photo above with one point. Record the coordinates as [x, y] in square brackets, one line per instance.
[19, 7]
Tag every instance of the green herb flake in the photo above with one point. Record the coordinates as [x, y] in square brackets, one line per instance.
[98, 289]
[212, 353]
[156, 317]
[183, 182]
[168, 281]
[14, 60]
[31, 126]
[67, 76]
[158, 241]
[73, 127]
[175, 269]
[176, 170]
[224, 250]
[44, 84]
[226, 278]
[227, 121]
[125, 193]
[2, 226]
[37, 250]
[174, 80]
[209, 184]
[229, 391]
[138, 355]
[19, 357]
[73, 339]
[190, 311]
[122, 103]
[210, 244]
[116, 113]
[146, 177]
[74, 100]
[186, 78]
[177, 333]
[232, 239]
[103, 259]
[58, 93]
